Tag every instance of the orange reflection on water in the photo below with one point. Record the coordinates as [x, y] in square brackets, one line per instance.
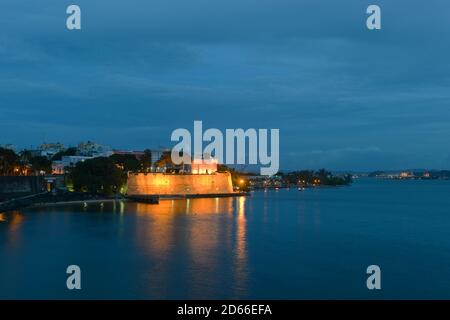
[197, 231]
[240, 259]
[241, 243]
[14, 220]
[200, 230]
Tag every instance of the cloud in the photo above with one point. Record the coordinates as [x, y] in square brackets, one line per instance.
[309, 68]
[349, 158]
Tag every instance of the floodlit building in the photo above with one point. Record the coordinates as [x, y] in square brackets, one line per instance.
[204, 166]
[405, 175]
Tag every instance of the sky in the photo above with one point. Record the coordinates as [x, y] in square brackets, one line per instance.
[343, 97]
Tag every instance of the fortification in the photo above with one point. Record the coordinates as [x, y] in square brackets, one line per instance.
[179, 184]
[20, 185]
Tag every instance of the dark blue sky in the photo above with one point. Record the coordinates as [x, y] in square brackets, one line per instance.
[343, 97]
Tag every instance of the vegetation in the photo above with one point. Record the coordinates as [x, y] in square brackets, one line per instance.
[165, 160]
[25, 156]
[98, 176]
[107, 175]
[239, 179]
[126, 162]
[146, 160]
[9, 162]
[321, 177]
[41, 164]
[12, 164]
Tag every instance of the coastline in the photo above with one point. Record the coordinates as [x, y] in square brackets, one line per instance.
[17, 204]
[61, 203]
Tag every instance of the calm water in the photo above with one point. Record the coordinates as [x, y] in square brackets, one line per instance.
[277, 244]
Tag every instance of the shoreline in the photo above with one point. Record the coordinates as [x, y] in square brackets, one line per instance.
[8, 206]
[59, 203]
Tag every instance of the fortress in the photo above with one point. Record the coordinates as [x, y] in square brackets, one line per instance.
[141, 184]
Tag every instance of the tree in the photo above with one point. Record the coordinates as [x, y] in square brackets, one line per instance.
[223, 168]
[299, 177]
[126, 162]
[239, 180]
[98, 176]
[40, 163]
[25, 156]
[146, 160]
[165, 160]
[323, 174]
[9, 162]
[321, 177]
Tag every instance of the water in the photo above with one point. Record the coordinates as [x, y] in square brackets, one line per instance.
[282, 244]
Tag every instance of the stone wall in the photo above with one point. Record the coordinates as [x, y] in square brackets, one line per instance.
[18, 185]
[171, 184]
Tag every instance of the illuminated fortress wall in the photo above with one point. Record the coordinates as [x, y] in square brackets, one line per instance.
[169, 184]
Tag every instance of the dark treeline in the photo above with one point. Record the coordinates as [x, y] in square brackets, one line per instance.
[23, 164]
[107, 175]
[320, 177]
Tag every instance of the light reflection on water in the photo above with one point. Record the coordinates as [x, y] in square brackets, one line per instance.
[240, 264]
[14, 220]
[210, 224]
[272, 245]
[189, 241]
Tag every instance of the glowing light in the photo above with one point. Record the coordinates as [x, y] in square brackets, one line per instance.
[160, 183]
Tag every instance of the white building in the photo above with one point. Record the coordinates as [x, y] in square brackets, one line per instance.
[59, 167]
[92, 149]
[50, 149]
